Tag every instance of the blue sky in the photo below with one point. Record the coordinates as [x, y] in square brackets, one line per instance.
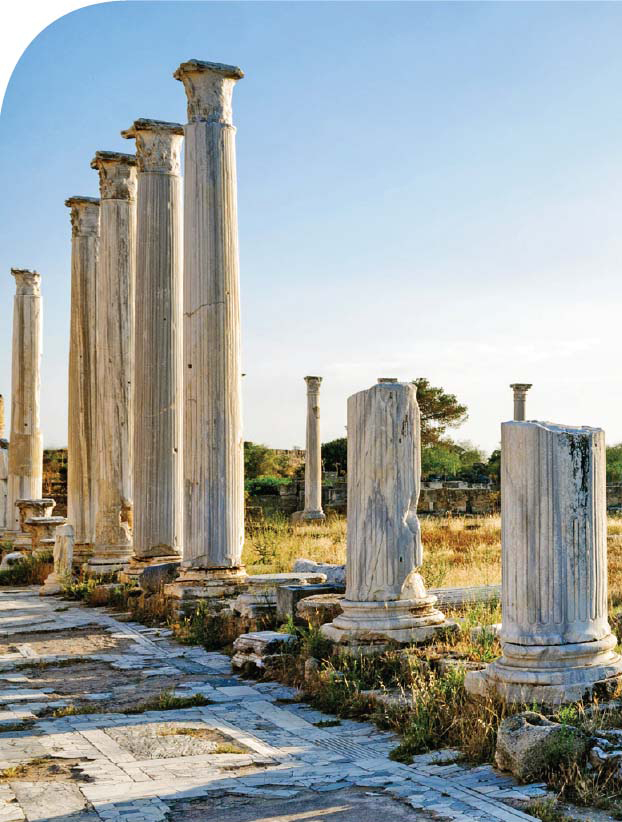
[424, 190]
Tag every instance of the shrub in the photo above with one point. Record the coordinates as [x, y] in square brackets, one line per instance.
[265, 486]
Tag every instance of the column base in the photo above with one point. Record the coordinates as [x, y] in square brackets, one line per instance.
[51, 586]
[373, 627]
[82, 552]
[212, 585]
[550, 674]
[105, 564]
[304, 517]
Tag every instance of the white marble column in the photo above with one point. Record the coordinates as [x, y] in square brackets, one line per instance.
[114, 341]
[313, 458]
[213, 445]
[26, 444]
[158, 375]
[82, 380]
[4, 469]
[556, 640]
[385, 599]
[520, 390]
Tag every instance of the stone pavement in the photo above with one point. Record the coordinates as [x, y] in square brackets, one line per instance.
[251, 754]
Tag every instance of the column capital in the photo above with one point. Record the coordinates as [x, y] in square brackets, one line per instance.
[117, 175]
[28, 283]
[209, 88]
[521, 387]
[313, 383]
[158, 145]
[84, 216]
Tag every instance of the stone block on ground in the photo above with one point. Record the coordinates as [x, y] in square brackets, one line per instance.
[260, 650]
[288, 597]
[529, 743]
[335, 574]
[154, 576]
[319, 609]
[259, 596]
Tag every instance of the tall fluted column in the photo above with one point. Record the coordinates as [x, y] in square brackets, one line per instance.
[158, 372]
[82, 380]
[114, 339]
[556, 640]
[26, 445]
[385, 599]
[313, 458]
[4, 468]
[520, 390]
[213, 445]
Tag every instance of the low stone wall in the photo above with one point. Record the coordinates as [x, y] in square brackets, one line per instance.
[435, 500]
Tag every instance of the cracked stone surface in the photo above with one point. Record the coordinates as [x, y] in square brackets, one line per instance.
[248, 755]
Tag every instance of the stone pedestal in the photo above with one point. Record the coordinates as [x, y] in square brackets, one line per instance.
[313, 458]
[212, 439]
[82, 380]
[63, 558]
[26, 446]
[556, 640]
[386, 601]
[42, 533]
[114, 339]
[520, 390]
[158, 376]
[30, 509]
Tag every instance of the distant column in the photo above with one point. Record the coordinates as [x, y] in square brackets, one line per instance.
[4, 468]
[313, 458]
[555, 635]
[82, 381]
[158, 375]
[26, 444]
[114, 340]
[213, 445]
[520, 390]
[386, 600]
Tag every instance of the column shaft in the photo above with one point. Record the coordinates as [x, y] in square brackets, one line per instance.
[158, 380]
[386, 600]
[82, 379]
[26, 445]
[115, 360]
[313, 459]
[4, 469]
[384, 468]
[213, 445]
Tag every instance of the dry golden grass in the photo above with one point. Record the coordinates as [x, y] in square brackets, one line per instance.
[458, 551]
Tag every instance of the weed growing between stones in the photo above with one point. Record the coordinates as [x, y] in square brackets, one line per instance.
[164, 701]
[545, 810]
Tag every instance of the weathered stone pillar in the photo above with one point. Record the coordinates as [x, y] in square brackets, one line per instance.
[313, 458]
[213, 445]
[520, 390]
[63, 557]
[26, 445]
[158, 379]
[386, 600]
[114, 340]
[82, 378]
[556, 640]
[4, 469]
